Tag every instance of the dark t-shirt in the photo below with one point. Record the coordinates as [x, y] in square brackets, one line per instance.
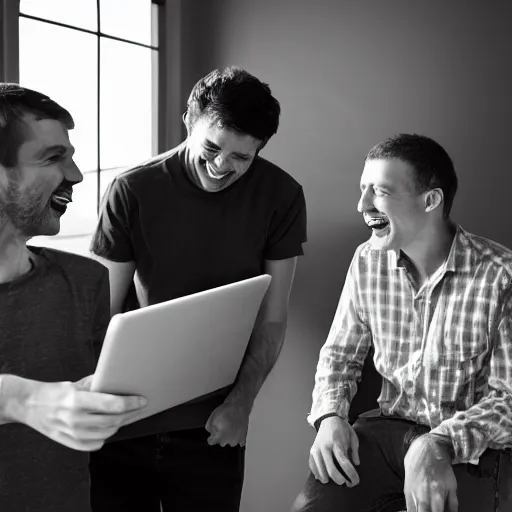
[50, 321]
[185, 240]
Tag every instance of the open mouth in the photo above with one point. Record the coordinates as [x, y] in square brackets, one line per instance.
[377, 223]
[216, 174]
[60, 200]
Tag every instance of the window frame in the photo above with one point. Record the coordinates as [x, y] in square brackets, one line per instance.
[155, 29]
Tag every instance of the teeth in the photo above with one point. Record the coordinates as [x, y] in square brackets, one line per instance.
[61, 199]
[377, 222]
[215, 174]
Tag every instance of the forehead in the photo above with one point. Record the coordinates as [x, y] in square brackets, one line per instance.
[206, 130]
[391, 172]
[39, 134]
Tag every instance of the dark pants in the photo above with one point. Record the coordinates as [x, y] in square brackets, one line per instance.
[383, 443]
[176, 470]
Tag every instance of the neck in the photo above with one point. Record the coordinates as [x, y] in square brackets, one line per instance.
[428, 254]
[189, 166]
[14, 255]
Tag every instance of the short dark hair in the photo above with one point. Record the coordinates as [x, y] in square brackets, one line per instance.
[432, 165]
[236, 100]
[15, 101]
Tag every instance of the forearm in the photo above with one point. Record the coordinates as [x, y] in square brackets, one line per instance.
[339, 369]
[14, 392]
[334, 390]
[484, 425]
[260, 357]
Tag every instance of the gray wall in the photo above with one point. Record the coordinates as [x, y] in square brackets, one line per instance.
[349, 74]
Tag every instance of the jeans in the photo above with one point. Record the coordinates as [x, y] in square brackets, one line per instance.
[383, 443]
[178, 471]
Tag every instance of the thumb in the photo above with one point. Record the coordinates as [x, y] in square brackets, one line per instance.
[354, 448]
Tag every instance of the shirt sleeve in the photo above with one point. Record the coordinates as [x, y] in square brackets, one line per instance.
[101, 314]
[342, 357]
[288, 230]
[112, 238]
[488, 423]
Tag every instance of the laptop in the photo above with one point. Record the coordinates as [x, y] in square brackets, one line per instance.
[181, 349]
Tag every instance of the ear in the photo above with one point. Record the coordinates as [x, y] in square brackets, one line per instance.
[433, 199]
[184, 118]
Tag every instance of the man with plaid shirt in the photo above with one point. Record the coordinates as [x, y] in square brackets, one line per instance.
[435, 303]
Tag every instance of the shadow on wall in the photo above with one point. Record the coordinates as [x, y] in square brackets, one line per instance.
[317, 289]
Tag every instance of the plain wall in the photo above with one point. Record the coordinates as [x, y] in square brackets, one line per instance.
[349, 74]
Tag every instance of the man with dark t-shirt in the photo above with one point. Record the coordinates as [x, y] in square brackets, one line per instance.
[54, 309]
[207, 213]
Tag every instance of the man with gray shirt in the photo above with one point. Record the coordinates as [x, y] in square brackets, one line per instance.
[54, 310]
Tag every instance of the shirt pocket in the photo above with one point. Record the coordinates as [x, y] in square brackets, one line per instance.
[465, 376]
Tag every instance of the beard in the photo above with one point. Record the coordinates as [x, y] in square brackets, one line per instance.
[23, 211]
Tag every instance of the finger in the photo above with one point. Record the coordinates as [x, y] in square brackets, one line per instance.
[129, 418]
[214, 439]
[318, 469]
[76, 444]
[334, 472]
[347, 467]
[330, 467]
[354, 448]
[109, 404]
[208, 425]
[437, 503]
[452, 501]
[86, 435]
[320, 464]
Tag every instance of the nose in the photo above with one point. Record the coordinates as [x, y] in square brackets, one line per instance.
[221, 162]
[366, 201]
[72, 172]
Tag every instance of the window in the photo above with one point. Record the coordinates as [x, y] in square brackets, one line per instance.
[99, 60]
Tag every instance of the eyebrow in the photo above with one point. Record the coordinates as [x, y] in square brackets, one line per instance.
[381, 186]
[59, 148]
[211, 145]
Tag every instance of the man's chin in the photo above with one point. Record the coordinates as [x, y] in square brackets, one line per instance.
[382, 242]
[49, 226]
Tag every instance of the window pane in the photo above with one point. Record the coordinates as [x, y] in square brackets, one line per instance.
[128, 19]
[126, 104]
[79, 13]
[49, 64]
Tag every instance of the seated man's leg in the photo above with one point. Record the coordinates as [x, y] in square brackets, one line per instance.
[486, 487]
[381, 453]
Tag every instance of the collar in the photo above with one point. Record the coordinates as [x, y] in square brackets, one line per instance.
[459, 259]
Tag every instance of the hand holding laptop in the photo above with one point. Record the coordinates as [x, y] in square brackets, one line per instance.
[68, 412]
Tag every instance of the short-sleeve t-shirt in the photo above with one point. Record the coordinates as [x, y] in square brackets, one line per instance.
[52, 320]
[185, 240]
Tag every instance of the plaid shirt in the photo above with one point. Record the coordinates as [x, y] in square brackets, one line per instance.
[444, 352]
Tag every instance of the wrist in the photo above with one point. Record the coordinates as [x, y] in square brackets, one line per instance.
[14, 396]
[335, 416]
[443, 444]
[438, 446]
[240, 400]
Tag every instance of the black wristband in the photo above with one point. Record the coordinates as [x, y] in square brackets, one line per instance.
[319, 420]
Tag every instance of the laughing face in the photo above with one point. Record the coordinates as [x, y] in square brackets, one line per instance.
[391, 206]
[219, 156]
[35, 193]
